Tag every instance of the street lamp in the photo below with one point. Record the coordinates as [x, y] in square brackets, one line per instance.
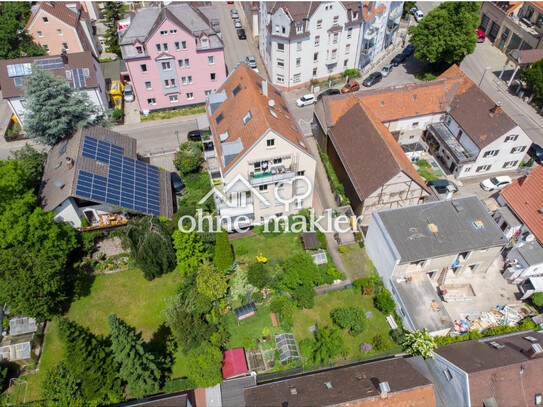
[177, 135]
[484, 73]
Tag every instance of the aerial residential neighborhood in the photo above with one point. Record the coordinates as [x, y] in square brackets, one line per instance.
[245, 203]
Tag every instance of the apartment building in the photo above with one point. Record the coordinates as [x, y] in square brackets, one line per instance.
[173, 56]
[56, 26]
[259, 150]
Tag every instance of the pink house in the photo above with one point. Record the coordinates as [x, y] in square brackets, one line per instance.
[173, 56]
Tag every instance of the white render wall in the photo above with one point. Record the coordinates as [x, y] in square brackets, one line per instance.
[381, 250]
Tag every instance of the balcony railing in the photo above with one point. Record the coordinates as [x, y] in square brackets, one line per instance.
[392, 28]
[263, 178]
[370, 33]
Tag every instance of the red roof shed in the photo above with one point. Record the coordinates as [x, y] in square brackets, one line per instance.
[234, 363]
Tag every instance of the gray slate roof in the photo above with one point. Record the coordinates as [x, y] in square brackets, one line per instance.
[232, 390]
[409, 232]
[532, 253]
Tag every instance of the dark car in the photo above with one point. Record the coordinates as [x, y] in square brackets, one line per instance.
[329, 92]
[177, 183]
[241, 34]
[371, 80]
[398, 59]
[442, 186]
[195, 135]
[409, 50]
[536, 152]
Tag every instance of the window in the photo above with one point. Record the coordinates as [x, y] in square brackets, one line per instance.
[211, 60]
[143, 68]
[184, 45]
[280, 63]
[298, 46]
[300, 173]
[510, 138]
[467, 169]
[510, 164]
[319, 23]
[236, 90]
[315, 57]
[280, 47]
[139, 49]
[213, 76]
[518, 149]
[151, 101]
[345, 63]
[65, 46]
[246, 118]
[180, 63]
[298, 62]
[189, 79]
[277, 29]
[207, 93]
[190, 96]
[59, 32]
[296, 78]
[317, 40]
[299, 29]
[491, 153]
[45, 47]
[205, 42]
[183, 80]
[158, 48]
[177, 46]
[280, 78]
[314, 71]
[173, 98]
[448, 374]
[347, 49]
[169, 83]
[187, 63]
[334, 53]
[40, 34]
[336, 18]
[19, 82]
[45, 19]
[349, 32]
[539, 21]
[165, 47]
[283, 30]
[219, 118]
[482, 168]
[538, 399]
[164, 32]
[262, 187]
[148, 85]
[336, 37]
[166, 66]
[270, 143]
[173, 31]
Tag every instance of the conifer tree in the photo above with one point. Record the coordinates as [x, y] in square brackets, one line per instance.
[112, 15]
[137, 366]
[224, 255]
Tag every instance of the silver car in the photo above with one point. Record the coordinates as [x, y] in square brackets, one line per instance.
[237, 23]
[387, 69]
[251, 61]
[128, 93]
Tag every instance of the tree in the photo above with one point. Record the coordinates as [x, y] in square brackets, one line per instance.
[419, 343]
[32, 162]
[285, 308]
[537, 299]
[13, 183]
[61, 388]
[112, 15]
[258, 275]
[534, 79]
[189, 251]
[384, 302]
[188, 158]
[210, 281]
[350, 318]
[300, 276]
[15, 41]
[447, 34]
[224, 255]
[150, 246]
[205, 364]
[89, 363]
[54, 110]
[329, 344]
[407, 5]
[137, 366]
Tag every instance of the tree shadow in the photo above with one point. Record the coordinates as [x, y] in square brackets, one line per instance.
[163, 346]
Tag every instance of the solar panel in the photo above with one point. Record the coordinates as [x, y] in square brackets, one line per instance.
[50, 63]
[19, 70]
[130, 183]
[78, 79]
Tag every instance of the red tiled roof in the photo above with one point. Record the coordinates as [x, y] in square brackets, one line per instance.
[234, 363]
[525, 197]
[58, 10]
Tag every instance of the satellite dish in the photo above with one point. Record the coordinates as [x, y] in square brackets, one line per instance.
[529, 238]
[271, 103]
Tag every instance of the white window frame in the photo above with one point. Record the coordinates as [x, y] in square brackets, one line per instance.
[158, 47]
[184, 45]
[150, 87]
[319, 24]
[510, 138]
[270, 143]
[317, 40]
[173, 100]
[187, 62]
[491, 153]
[347, 49]
[211, 60]
[190, 96]
[510, 164]
[483, 168]
[59, 32]
[518, 149]
[211, 78]
[349, 32]
[142, 68]
[169, 64]
[151, 101]
[40, 34]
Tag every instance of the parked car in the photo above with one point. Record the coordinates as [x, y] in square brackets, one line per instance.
[352, 86]
[195, 135]
[398, 59]
[372, 79]
[177, 183]
[413, 9]
[442, 186]
[229, 2]
[536, 152]
[128, 93]
[241, 34]
[306, 100]
[493, 183]
[251, 61]
[234, 13]
[387, 69]
[409, 50]
[237, 23]
[480, 35]
[419, 15]
[328, 92]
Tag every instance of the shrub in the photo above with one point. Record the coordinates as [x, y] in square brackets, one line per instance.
[335, 273]
[537, 299]
[351, 73]
[397, 335]
[379, 342]
[350, 318]
[337, 187]
[422, 164]
[178, 385]
[117, 114]
[285, 308]
[341, 249]
[14, 131]
[322, 239]
[365, 348]
[187, 159]
[258, 275]
[307, 347]
[257, 296]
[224, 255]
[384, 302]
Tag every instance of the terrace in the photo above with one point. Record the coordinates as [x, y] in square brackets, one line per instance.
[105, 220]
[444, 136]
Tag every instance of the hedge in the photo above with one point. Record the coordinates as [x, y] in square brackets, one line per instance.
[337, 187]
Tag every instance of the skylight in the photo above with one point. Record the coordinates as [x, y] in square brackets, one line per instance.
[272, 113]
[236, 90]
[219, 118]
[247, 117]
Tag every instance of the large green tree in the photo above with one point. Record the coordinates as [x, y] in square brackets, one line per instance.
[190, 251]
[61, 388]
[224, 255]
[210, 281]
[150, 245]
[189, 157]
[534, 79]
[54, 110]
[15, 41]
[350, 318]
[112, 14]
[205, 366]
[32, 162]
[138, 366]
[447, 34]
[329, 344]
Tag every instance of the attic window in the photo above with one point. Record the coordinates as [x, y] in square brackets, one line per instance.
[219, 118]
[382, 102]
[328, 385]
[277, 92]
[293, 391]
[69, 74]
[496, 345]
[86, 72]
[259, 85]
[300, 142]
[432, 227]
[478, 224]
[236, 90]
[57, 165]
[284, 108]
[247, 117]
[286, 116]
[272, 113]
[139, 48]
[448, 374]
[18, 82]
[530, 338]
[414, 97]
[62, 148]
[294, 128]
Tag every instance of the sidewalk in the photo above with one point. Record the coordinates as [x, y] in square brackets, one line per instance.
[156, 123]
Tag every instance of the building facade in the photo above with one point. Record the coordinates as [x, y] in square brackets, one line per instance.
[173, 56]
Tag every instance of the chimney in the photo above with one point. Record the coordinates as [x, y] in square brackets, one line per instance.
[64, 56]
[384, 388]
[265, 88]
[523, 179]
[534, 350]
[69, 162]
[496, 109]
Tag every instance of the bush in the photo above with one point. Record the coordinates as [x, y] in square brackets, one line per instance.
[188, 158]
[397, 335]
[224, 255]
[350, 318]
[337, 187]
[257, 296]
[351, 73]
[307, 347]
[366, 285]
[384, 302]
[258, 275]
[322, 239]
[537, 299]
[14, 131]
[285, 309]
[365, 348]
[422, 164]
[335, 273]
[341, 249]
[379, 342]
[178, 385]
[117, 114]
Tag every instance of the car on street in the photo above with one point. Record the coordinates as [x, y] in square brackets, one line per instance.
[177, 183]
[536, 152]
[241, 34]
[480, 35]
[387, 69]
[195, 135]
[490, 184]
[251, 61]
[372, 79]
[413, 9]
[229, 2]
[398, 59]
[328, 92]
[419, 15]
[442, 186]
[128, 93]
[234, 13]
[352, 86]
[306, 100]
[237, 23]
[409, 50]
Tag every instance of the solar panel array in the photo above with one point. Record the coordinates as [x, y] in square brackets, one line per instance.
[130, 183]
[78, 79]
[49, 63]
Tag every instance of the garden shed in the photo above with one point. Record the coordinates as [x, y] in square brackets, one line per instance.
[310, 241]
[245, 311]
[234, 363]
[286, 345]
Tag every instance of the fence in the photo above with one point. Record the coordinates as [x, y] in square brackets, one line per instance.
[323, 289]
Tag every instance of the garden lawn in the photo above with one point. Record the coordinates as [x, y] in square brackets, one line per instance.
[356, 261]
[425, 170]
[320, 315]
[271, 245]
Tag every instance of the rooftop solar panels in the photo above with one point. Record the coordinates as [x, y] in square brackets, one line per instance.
[78, 79]
[130, 183]
[19, 70]
[49, 63]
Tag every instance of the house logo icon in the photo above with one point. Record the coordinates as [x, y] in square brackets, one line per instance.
[234, 201]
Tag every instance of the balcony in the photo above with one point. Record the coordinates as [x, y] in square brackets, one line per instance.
[444, 137]
[392, 27]
[395, 14]
[371, 32]
[276, 174]
[526, 26]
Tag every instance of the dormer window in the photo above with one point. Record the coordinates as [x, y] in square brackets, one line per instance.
[205, 42]
[139, 48]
